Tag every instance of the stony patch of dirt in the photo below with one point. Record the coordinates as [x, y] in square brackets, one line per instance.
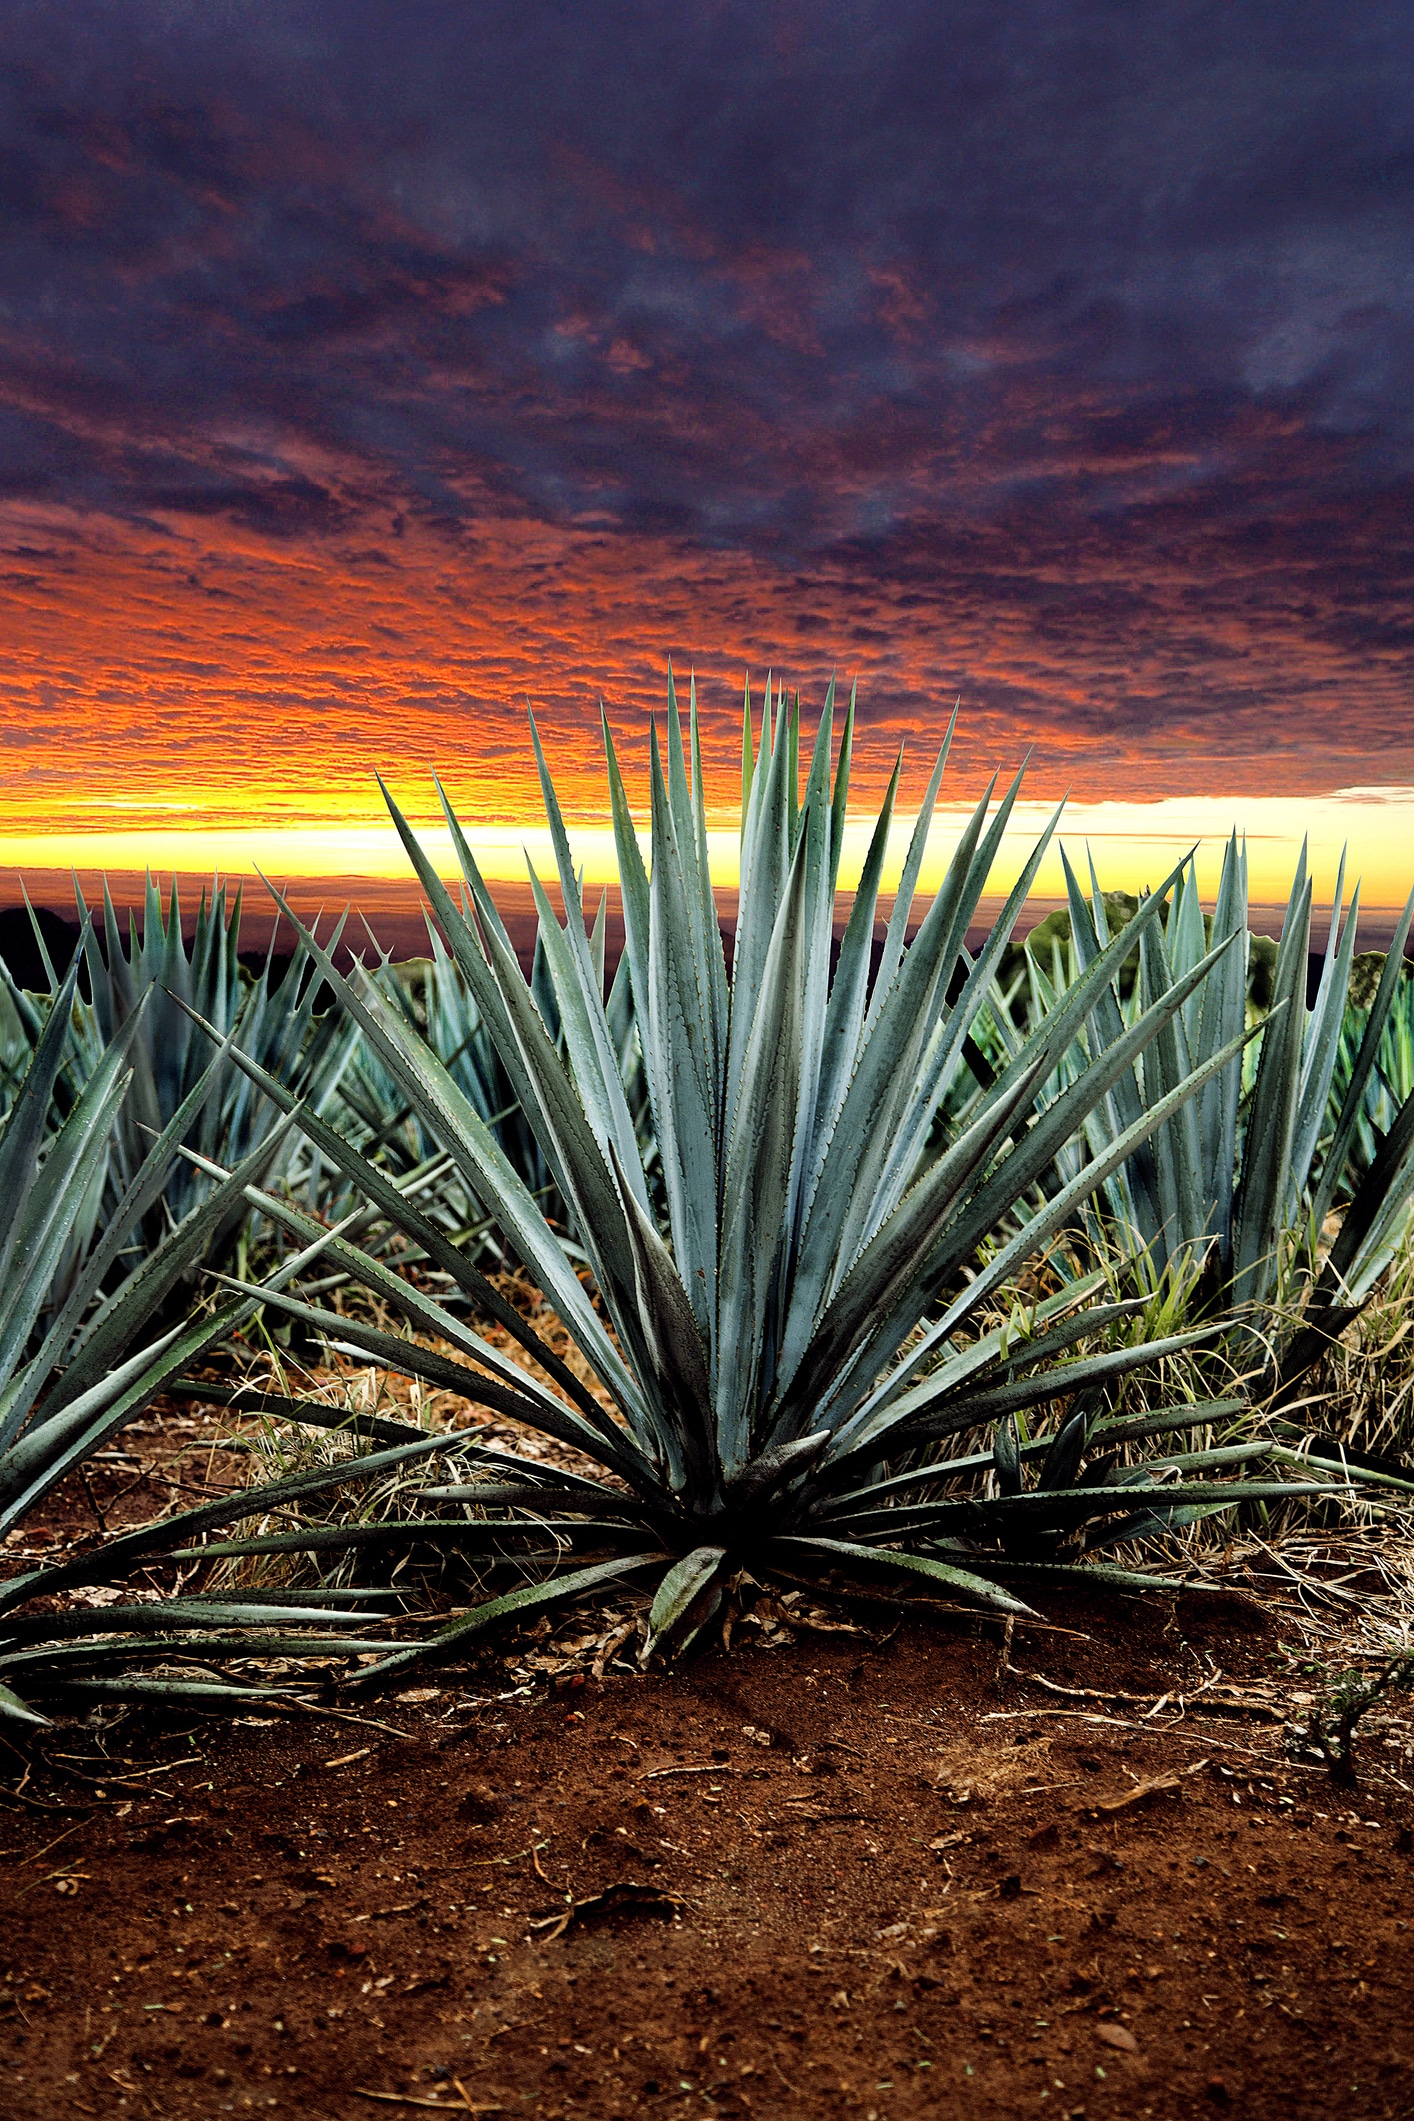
[842, 1875]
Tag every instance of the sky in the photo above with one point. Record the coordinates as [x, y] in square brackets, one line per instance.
[371, 368]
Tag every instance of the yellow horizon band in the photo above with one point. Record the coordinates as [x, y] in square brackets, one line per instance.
[1133, 845]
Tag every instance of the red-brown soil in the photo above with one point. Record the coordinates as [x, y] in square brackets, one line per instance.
[925, 1894]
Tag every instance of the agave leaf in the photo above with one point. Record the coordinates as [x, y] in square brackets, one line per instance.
[1224, 1004]
[1267, 1157]
[963, 1583]
[976, 1357]
[1132, 1428]
[303, 1413]
[938, 1472]
[1322, 1043]
[1185, 1217]
[447, 1641]
[579, 990]
[506, 1494]
[1104, 1575]
[39, 1457]
[47, 1196]
[1227, 1454]
[198, 1692]
[1032, 1156]
[53, 1660]
[179, 1613]
[424, 1087]
[765, 867]
[1077, 1504]
[1367, 1474]
[760, 1158]
[1006, 1456]
[1157, 1524]
[896, 933]
[582, 1159]
[687, 809]
[1028, 1350]
[1355, 1257]
[25, 1123]
[842, 1209]
[840, 803]
[685, 1600]
[1063, 1458]
[674, 1342]
[1367, 1053]
[1068, 1510]
[849, 993]
[146, 1185]
[1091, 993]
[813, 838]
[633, 877]
[584, 1027]
[138, 1297]
[776, 1467]
[13, 1710]
[460, 1534]
[356, 1598]
[711, 928]
[681, 1060]
[1053, 1217]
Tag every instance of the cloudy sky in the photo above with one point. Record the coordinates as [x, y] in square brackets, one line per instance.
[368, 367]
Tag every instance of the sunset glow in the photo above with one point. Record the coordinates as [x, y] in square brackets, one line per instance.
[340, 422]
[1132, 845]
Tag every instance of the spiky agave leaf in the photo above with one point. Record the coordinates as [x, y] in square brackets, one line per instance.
[1244, 1175]
[798, 1332]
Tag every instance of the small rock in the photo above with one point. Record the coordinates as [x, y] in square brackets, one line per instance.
[1118, 2036]
[480, 1804]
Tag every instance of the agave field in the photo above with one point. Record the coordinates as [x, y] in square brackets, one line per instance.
[606, 1324]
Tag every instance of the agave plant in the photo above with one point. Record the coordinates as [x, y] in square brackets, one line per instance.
[1261, 1159]
[152, 981]
[70, 1374]
[781, 1364]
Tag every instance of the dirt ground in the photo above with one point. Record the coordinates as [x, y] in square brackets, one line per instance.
[827, 1873]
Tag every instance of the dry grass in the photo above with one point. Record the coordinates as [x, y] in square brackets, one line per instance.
[1363, 1391]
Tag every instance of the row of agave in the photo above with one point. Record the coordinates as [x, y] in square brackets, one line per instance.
[771, 1201]
[1246, 1177]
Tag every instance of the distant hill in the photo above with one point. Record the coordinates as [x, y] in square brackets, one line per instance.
[20, 950]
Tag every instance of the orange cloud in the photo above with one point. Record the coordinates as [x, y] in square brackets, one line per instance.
[201, 673]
